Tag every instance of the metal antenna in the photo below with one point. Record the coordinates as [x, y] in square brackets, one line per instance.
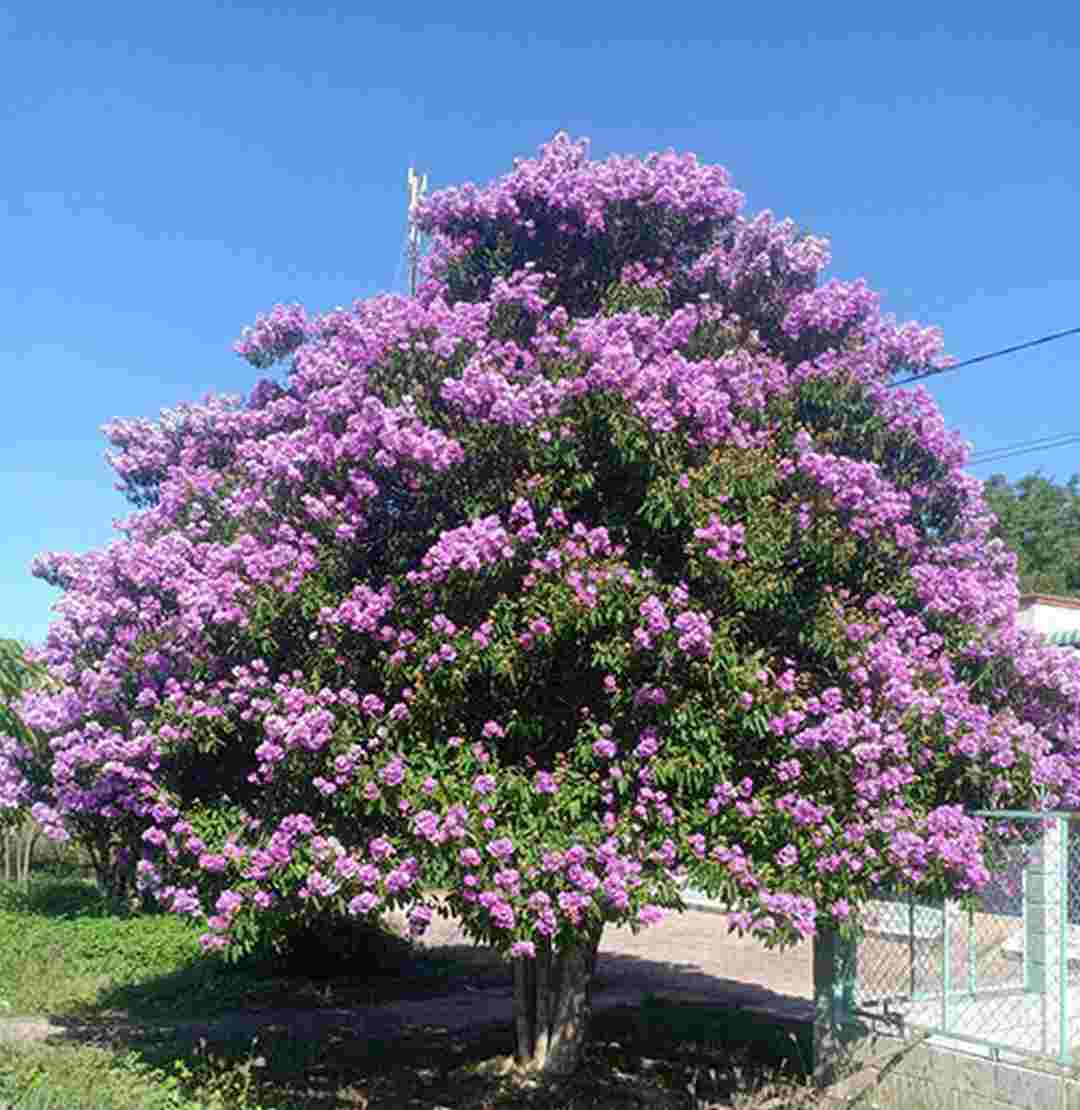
[417, 187]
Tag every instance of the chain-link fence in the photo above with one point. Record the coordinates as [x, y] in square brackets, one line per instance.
[1003, 972]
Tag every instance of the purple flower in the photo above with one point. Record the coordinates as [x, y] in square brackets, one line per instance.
[502, 848]
[648, 746]
[228, 903]
[419, 919]
[402, 877]
[576, 853]
[650, 914]
[380, 848]
[545, 783]
[696, 633]
[500, 911]
[393, 774]
[509, 878]
[364, 903]
[372, 705]
[426, 824]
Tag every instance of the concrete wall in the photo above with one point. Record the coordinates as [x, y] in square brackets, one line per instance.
[883, 1071]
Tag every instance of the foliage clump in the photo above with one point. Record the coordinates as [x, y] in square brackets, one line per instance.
[1039, 519]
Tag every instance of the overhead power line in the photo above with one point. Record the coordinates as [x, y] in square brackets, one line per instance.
[1026, 444]
[1024, 449]
[986, 357]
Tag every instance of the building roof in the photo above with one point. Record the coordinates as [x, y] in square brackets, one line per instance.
[1052, 600]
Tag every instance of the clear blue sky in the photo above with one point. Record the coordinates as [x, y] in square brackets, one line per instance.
[170, 170]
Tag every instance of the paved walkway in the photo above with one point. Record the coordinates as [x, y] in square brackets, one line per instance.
[688, 957]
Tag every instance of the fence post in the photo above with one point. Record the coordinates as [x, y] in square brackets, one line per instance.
[948, 924]
[1035, 919]
[1045, 933]
[912, 950]
[1060, 907]
[834, 1000]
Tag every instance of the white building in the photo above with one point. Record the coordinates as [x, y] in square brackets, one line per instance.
[1057, 618]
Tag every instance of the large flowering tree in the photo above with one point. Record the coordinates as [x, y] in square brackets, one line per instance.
[607, 562]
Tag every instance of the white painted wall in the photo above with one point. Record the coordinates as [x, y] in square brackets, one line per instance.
[1045, 616]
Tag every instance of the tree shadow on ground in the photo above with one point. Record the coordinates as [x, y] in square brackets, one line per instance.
[335, 1045]
[688, 982]
[66, 895]
[210, 987]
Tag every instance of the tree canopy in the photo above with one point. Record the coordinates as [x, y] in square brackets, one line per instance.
[17, 674]
[1039, 519]
[607, 562]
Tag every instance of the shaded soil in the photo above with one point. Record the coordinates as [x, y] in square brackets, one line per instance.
[688, 958]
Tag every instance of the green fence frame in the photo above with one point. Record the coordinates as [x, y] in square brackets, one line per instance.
[1048, 893]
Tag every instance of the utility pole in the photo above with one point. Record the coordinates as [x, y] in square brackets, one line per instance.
[417, 187]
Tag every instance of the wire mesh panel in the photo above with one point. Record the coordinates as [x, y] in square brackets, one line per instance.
[1003, 968]
[1072, 934]
[900, 953]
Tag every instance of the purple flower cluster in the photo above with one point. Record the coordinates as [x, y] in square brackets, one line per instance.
[274, 336]
[587, 197]
[14, 789]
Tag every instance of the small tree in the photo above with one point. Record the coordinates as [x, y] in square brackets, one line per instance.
[17, 674]
[606, 563]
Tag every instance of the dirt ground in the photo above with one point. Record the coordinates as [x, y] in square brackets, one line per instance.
[688, 957]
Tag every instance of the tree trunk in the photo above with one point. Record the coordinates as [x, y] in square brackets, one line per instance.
[31, 833]
[553, 1005]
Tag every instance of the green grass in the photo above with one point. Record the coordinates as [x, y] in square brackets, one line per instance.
[61, 947]
[70, 1078]
[65, 952]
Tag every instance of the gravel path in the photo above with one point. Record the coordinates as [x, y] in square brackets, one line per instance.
[688, 957]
